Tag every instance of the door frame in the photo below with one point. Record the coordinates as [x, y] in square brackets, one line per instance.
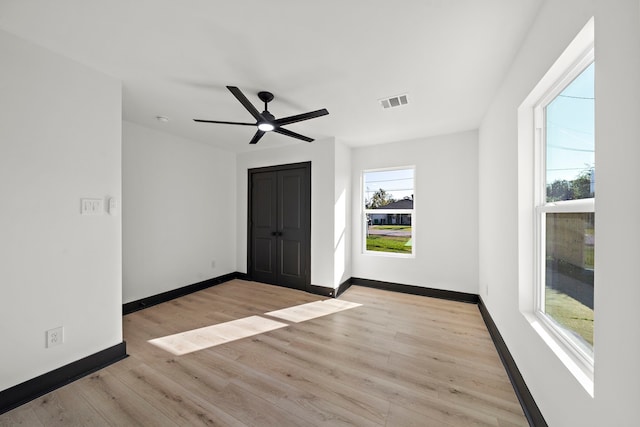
[306, 166]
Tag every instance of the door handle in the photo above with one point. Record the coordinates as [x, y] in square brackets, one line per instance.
[276, 233]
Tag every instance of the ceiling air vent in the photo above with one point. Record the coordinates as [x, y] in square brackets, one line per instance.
[394, 101]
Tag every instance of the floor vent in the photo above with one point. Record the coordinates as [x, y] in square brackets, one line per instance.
[394, 101]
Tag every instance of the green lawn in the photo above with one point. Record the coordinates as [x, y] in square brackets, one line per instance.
[390, 227]
[570, 313]
[388, 244]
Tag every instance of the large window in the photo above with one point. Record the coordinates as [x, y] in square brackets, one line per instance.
[565, 208]
[388, 211]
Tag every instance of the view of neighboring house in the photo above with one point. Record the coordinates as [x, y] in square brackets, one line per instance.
[388, 218]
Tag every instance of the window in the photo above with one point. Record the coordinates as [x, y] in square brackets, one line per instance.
[565, 208]
[388, 211]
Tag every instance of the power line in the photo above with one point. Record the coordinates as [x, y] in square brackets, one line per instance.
[389, 190]
[560, 147]
[570, 169]
[577, 97]
[389, 180]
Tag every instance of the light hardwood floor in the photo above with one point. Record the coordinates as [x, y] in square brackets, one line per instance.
[396, 360]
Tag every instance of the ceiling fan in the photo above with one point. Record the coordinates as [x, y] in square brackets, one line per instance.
[265, 121]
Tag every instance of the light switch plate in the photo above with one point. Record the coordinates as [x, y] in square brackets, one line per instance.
[91, 206]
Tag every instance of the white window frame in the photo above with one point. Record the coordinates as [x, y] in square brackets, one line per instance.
[542, 208]
[365, 212]
[532, 205]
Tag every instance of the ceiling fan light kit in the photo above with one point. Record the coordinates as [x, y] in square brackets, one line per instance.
[266, 127]
[265, 121]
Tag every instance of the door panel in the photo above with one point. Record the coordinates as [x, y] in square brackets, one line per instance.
[263, 255]
[264, 192]
[291, 203]
[290, 192]
[280, 227]
[291, 260]
[263, 223]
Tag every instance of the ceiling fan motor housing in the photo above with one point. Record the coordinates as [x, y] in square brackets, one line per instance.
[265, 96]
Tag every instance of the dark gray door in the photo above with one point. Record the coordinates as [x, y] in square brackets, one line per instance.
[280, 225]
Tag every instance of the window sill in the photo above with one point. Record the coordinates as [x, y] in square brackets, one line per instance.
[582, 373]
[388, 254]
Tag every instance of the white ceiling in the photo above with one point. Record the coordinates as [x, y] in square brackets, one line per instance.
[176, 57]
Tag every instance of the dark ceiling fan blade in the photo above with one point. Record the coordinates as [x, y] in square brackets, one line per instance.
[292, 134]
[224, 123]
[244, 101]
[300, 117]
[257, 137]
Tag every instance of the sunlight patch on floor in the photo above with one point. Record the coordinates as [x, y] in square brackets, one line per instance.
[210, 336]
[300, 313]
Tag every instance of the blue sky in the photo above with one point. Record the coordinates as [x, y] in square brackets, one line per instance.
[399, 183]
[570, 129]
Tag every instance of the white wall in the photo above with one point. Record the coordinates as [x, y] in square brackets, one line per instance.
[59, 142]
[324, 189]
[617, 290]
[562, 400]
[179, 202]
[342, 215]
[446, 219]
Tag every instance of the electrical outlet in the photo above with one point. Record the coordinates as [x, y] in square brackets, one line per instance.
[55, 336]
[213, 263]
